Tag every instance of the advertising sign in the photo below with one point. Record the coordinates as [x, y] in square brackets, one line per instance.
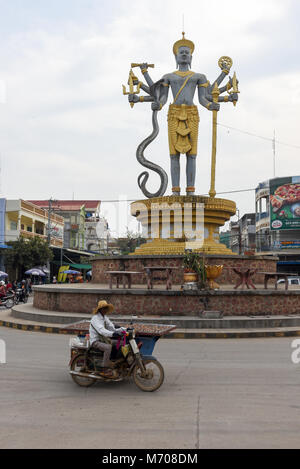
[286, 245]
[285, 203]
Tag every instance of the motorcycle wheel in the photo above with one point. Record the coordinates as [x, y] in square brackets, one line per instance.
[9, 303]
[78, 364]
[155, 375]
[25, 299]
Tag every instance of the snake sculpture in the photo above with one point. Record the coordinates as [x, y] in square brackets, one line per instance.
[144, 176]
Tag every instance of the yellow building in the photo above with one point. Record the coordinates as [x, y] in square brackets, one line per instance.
[25, 219]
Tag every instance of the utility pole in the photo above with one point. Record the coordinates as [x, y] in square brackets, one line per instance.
[50, 210]
[274, 155]
[49, 222]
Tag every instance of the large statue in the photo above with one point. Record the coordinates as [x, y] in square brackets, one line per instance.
[183, 117]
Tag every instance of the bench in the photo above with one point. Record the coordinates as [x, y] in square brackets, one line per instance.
[277, 276]
[121, 275]
[150, 271]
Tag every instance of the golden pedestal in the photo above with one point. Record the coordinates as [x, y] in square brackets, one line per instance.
[170, 224]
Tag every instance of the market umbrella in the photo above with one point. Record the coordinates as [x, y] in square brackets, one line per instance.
[3, 274]
[43, 269]
[35, 272]
[71, 272]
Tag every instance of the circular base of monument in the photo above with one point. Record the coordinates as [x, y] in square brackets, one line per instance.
[174, 224]
[143, 302]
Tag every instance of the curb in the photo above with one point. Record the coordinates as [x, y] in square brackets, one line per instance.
[175, 335]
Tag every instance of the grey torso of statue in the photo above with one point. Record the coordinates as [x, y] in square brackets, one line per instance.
[187, 94]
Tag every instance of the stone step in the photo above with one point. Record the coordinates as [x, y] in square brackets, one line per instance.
[30, 314]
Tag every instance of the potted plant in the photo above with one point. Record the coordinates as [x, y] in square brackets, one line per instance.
[194, 268]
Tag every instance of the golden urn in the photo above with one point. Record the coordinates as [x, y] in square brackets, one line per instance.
[213, 272]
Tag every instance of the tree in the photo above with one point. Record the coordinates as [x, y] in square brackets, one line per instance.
[130, 243]
[26, 254]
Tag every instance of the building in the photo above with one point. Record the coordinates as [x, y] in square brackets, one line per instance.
[23, 218]
[84, 228]
[278, 216]
[240, 237]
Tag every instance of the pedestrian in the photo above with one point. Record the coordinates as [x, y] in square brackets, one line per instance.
[54, 280]
[27, 286]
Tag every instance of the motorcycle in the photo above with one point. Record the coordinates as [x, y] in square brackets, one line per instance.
[21, 295]
[86, 365]
[8, 300]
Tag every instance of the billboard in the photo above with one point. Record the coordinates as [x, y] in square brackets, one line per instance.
[285, 203]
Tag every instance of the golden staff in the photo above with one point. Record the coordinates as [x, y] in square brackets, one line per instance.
[212, 193]
[225, 63]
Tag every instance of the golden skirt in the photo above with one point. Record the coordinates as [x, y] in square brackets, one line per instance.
[183, 124]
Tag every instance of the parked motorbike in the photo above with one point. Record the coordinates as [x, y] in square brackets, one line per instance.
[86, 365]
[21, 295]
[8, 300]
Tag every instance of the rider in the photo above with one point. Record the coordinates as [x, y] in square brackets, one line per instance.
[102, 331]
[2, 290]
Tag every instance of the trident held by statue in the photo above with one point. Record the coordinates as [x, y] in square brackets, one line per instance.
[131, 81]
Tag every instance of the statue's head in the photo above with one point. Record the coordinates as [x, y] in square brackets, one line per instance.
[183, 51]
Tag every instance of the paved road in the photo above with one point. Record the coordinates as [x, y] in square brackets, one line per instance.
[217, 394]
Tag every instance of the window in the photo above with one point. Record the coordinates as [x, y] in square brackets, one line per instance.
[13, 225]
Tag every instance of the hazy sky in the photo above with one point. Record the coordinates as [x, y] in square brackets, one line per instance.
[66, 129]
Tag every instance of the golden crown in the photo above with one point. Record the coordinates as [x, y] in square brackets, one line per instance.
[183, 43]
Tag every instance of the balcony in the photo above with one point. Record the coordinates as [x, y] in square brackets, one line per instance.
[30, 234]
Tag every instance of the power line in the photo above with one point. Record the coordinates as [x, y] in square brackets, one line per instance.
[204, 195]
[259, 136]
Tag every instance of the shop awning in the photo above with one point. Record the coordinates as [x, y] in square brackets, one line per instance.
[81, 266]
[74, 266]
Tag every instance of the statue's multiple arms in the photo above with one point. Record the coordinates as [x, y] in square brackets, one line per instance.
[203, 96]
[163, 95]
[219, 81]
[157, 98]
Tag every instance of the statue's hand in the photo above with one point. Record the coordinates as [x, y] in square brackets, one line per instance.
[214, 107]
[233, 97]
[144, 66]
[155, 106]
[133, 98]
